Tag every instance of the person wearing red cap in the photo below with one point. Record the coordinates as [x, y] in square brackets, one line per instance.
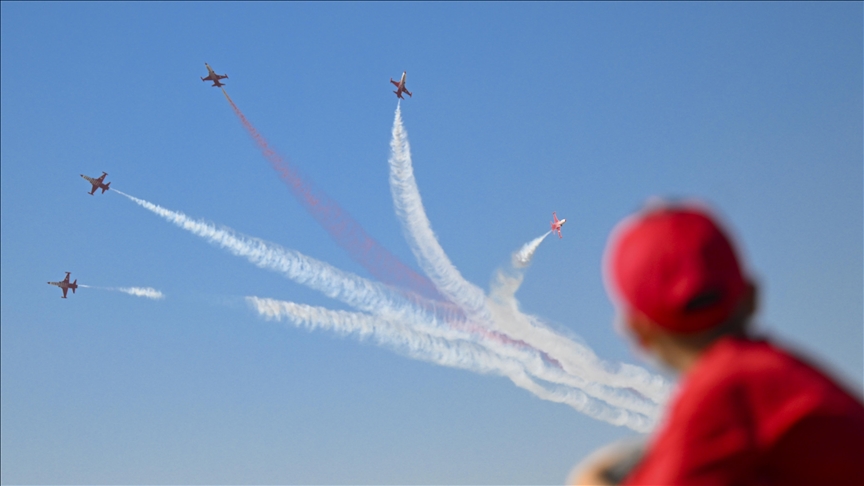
[746, 411]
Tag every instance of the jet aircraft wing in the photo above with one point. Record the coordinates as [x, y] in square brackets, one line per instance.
[212, 76]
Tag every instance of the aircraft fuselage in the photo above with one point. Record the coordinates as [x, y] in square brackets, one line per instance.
[400, 86]
[212, 76]
[97, 183]
[65, 285]
[557, 224]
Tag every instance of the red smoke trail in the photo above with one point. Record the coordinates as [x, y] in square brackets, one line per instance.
[363, 248]
[342, 227]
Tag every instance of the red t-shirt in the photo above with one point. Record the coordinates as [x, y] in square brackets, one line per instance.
[750, 413]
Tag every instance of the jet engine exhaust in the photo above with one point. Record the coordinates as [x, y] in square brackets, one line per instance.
[522, 258]
[146, 292]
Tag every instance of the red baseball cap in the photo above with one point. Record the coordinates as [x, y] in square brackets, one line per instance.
[675, 265]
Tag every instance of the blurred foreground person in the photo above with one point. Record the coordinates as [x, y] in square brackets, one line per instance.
[746, 411]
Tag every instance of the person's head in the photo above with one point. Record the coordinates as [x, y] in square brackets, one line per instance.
[677, 281]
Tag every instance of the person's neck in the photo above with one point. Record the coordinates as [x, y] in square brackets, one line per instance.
[683, 354]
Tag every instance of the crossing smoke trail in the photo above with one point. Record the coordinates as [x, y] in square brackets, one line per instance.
[454, 353]
[418, 229]
[350, 289]
[386, 306]
[501, 309]
[147, 292]
[485, 333]
[576, 358]
[342, 227]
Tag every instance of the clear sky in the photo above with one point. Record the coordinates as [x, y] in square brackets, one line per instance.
[518, 110]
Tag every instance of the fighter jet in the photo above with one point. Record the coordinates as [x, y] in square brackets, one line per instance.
[557, 224]
[65, 285]
[400, 86]
[212, 76]
[97, 183]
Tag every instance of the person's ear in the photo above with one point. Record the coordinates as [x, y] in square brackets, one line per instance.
[642, 329]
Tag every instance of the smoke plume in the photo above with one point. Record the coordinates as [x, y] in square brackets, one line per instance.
[344, 229]
[146, 292]
[522, 370]
[522, 258]
[500, 310]
[418, 230]
[472, 330]
[348, 288]
[388, 310]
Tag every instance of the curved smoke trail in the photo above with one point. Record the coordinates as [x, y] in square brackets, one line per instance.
[576, 358]
[454, 353]
[627, 408]
[348, 288]
[346, 231]
[522, 258]
[404, 318]
[449, 281]
[486, 334]
[418, 230]
[501, 309]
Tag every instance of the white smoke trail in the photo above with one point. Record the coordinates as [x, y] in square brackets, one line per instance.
[351, 289]
[418, 230]
[522, 258]
[365, 325]
[455, 353]
[501, 310]
[147, 292]
[434, 261]
[576, 358]
[621, 407]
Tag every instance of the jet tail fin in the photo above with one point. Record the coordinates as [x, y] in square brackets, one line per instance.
[107, 186]
[74, 285]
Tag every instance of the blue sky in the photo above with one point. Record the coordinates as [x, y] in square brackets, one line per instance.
[519, 109]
